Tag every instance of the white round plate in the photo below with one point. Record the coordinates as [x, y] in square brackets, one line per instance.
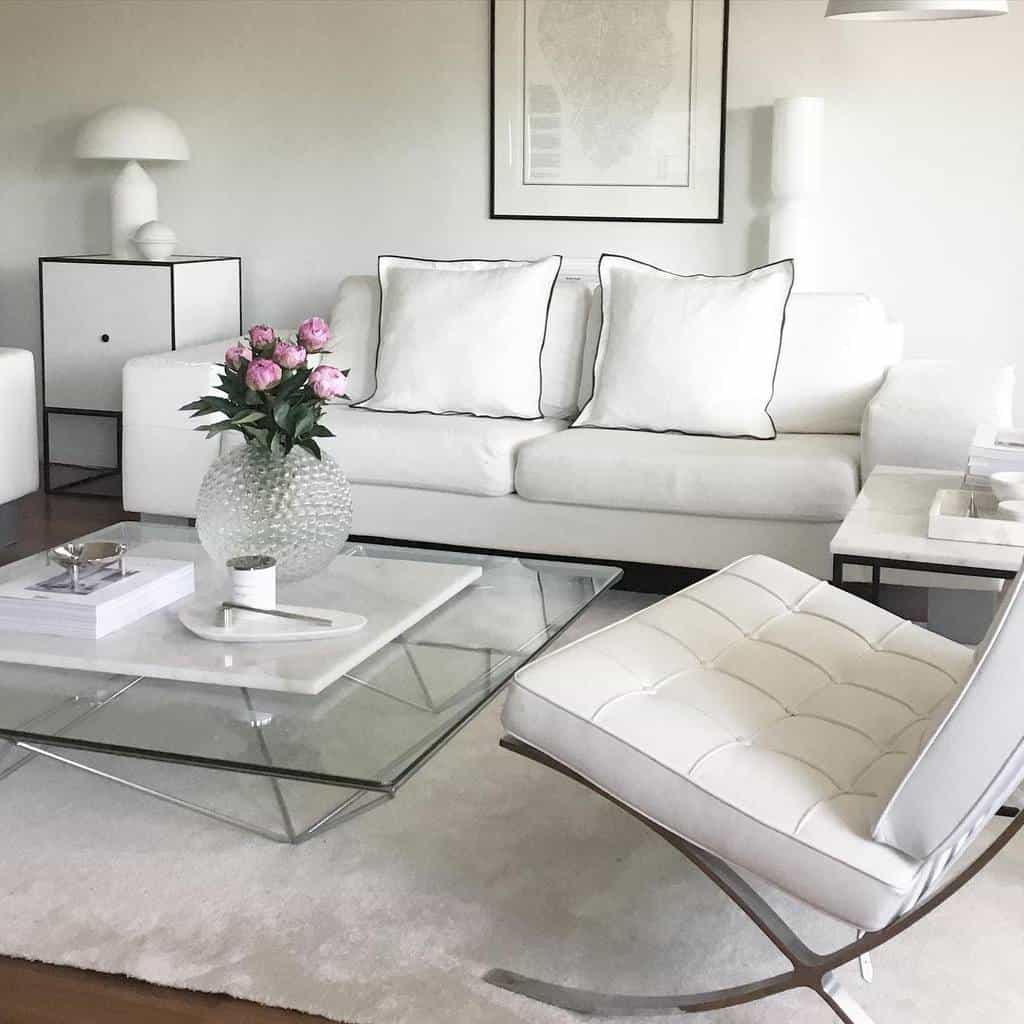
[203, 616]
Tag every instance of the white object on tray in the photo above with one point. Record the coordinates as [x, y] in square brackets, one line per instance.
[949, 519]
[1007, 486]
[204, 616]
[1012, 510]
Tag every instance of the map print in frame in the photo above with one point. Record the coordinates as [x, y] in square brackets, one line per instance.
[608, 109]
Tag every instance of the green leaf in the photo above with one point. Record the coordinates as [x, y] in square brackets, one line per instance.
[321, 431]
[312, 447]
[258, 434]
[304, 422]
[219, 428]
[246, 416]
[277, 445]
[293, 382]
[281, 411]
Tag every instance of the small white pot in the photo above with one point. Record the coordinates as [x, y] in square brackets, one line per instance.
[155, 241]
[253, 581]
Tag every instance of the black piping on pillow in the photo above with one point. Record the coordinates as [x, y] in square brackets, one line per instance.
[456, 412]
[687, 433]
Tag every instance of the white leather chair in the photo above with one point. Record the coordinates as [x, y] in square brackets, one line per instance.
[19, 455]
[766, 720]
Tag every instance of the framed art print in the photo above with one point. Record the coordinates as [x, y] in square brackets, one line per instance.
[608, 109]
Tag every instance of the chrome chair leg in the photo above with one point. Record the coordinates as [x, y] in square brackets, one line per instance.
[810, 970]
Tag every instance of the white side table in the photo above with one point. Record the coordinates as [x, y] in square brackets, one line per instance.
[887, 528]
[97, 312]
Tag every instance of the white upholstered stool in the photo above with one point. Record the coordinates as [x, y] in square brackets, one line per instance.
[19, 455]
[765, 719]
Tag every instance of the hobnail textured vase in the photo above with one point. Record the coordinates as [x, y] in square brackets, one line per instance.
[295, 508]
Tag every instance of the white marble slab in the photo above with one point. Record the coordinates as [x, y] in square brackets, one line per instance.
[393, 594]
[889, 520]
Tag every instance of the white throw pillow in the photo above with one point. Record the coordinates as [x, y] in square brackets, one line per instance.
[462, 336]
[691, 355]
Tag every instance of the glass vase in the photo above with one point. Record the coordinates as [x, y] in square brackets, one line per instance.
[295, 508]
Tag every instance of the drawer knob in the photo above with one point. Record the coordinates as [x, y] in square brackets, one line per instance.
[104, 337]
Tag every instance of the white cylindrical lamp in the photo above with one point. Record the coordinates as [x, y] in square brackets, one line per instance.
[794, 228]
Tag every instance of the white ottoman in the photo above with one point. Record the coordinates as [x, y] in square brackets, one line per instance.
[19, 454]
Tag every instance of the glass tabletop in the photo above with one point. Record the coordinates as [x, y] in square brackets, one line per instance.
[371, 728]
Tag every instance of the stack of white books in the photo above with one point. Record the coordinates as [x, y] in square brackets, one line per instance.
[994, 450]
[43, 601]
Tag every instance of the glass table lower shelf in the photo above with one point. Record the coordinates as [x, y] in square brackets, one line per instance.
[287, 766]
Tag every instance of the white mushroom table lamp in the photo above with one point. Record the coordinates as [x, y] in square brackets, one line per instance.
[131, 134]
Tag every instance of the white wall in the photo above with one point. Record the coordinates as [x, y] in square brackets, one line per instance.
[325, 133]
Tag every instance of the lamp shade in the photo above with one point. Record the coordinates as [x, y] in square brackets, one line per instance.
[913, 10]
[797, 129]
[131, 133]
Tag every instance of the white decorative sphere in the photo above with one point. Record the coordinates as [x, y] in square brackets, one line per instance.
[155, 241]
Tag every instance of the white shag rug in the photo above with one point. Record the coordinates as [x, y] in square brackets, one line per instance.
[484, 859]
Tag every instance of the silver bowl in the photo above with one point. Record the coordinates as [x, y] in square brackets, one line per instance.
[94, 554]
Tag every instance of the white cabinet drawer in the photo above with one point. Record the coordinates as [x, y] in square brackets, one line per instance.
[95, 317]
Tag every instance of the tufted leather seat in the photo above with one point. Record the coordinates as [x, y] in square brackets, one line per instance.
[763, 715]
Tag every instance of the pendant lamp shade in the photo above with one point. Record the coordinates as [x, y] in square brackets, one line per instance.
[913, 10]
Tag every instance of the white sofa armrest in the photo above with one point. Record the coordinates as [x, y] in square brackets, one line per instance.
[164, 458]
[19, 456]
[926, 412]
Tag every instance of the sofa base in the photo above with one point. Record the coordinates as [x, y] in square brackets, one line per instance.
[641, 541]
[512, 524]
[8, 524]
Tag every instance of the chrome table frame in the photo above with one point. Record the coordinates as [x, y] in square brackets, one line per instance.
[361, 794]
[811, 970]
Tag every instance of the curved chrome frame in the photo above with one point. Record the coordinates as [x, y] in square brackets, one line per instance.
[809, 969]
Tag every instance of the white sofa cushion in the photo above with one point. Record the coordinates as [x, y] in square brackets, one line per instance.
[812, 477]
[694, 355]
[462, 336]
[355, 326]
[462, 454]
[761, 714]
[835, 351]
[928, 410]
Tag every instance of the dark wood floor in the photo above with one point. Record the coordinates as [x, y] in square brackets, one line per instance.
[32, 993]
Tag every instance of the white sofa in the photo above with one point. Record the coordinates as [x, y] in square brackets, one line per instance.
[539, 487]
[19, 456]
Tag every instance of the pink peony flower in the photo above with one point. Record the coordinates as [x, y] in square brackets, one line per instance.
[328, 382]
[314, 334]
[288, 355]
[235, 356]
[262, 375]
[261, 335]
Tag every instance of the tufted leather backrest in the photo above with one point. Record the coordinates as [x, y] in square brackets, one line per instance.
[355, 325]
[974, 759]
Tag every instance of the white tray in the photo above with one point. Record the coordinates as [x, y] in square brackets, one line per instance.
[948, 519]
[204, 617]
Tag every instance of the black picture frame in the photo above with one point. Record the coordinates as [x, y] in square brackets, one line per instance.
[719, 218]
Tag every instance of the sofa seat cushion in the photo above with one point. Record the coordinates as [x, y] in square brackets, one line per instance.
[464, 454]
[811, 477]
[763, 715]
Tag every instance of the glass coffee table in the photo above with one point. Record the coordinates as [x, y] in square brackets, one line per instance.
[283, 765]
